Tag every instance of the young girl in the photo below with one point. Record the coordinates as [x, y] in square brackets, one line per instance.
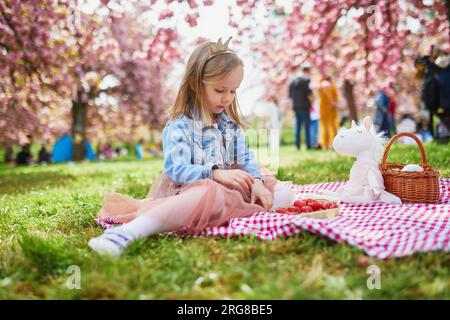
[209, 174]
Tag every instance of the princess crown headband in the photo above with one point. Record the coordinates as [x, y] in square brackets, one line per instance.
[219, 48]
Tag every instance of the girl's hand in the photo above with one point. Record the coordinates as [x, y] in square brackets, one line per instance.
[236, 179]
[261, 193]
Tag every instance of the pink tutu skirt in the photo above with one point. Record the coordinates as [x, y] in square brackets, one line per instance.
[190, 207]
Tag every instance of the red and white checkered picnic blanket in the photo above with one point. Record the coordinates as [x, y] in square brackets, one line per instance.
[381, 230]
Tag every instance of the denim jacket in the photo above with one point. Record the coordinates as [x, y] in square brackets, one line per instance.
[191, 150]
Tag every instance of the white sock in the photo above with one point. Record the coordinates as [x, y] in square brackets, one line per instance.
[112, 242]
[115, 240]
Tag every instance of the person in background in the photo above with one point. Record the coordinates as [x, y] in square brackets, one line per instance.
[442, 62]
[329, 118]
[107, 151]
[24, 157]
[442, 133]
[422, 128]
[392, 109]
[314, 125]
[44, 156]
[425, 70]
[155, 150]
[434, 71]
[300, 93]
[382, 113]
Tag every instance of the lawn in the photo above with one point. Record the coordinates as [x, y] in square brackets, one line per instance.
[47, 216]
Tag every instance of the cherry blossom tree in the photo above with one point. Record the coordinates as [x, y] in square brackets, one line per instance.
[368, 45]
[102, 72]
[31, 78]
[65, 68]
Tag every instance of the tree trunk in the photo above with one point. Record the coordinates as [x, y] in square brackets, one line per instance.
[350, 99]
[9, 154]
[79, 119]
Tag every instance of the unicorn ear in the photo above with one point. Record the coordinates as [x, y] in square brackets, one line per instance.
[353, 123]
[367, 122]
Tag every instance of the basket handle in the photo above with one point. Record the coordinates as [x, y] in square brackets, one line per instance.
[425, 164]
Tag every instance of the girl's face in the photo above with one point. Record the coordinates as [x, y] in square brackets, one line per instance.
[221, 94]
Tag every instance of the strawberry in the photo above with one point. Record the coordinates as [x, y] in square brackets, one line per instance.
[281, 210]
[326, 205]
[307, 209]
[316, 206]
[310, 202]
[333, 205]
[300, 203]
[293, 209]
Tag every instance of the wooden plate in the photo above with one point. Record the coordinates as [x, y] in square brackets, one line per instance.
[321, 214]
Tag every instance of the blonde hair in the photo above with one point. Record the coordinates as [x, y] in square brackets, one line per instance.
[203, 67]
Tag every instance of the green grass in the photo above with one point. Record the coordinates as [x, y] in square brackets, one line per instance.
[47, 216]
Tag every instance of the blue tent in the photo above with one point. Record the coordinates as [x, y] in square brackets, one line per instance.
[62, 150]
[139, 151]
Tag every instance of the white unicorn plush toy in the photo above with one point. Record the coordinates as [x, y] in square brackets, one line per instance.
[366, 183]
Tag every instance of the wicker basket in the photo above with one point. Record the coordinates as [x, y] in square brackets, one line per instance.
[417, 187]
